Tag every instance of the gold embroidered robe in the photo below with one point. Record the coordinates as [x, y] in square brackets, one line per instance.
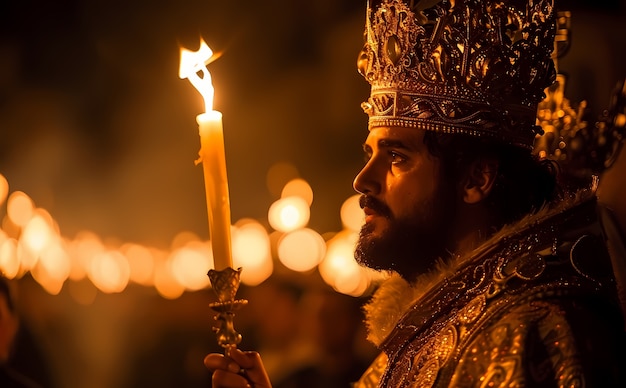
[535, 306]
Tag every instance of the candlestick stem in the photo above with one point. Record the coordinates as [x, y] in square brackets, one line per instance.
[225, 285]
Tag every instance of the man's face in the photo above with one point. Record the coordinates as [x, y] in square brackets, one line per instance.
[405, 203]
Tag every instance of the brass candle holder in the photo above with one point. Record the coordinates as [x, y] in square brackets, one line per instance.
[225, 284]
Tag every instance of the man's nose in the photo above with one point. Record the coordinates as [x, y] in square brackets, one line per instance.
[367, 181]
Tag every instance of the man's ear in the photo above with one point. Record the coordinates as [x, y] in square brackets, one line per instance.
[479, 180]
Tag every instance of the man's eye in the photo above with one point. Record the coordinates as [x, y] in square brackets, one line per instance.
[396, 158]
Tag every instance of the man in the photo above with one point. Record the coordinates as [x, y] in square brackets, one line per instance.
[500, 279]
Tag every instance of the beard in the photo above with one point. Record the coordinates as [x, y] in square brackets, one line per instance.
[411, 244]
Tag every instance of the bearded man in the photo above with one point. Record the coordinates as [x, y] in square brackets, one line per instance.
[500, 278]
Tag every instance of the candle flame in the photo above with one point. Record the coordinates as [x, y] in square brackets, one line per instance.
[193, 67]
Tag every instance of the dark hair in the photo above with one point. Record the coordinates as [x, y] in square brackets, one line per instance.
[523, 185]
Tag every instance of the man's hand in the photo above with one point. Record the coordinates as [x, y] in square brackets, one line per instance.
[237, 369]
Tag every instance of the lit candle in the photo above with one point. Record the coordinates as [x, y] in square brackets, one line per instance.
[212, 155]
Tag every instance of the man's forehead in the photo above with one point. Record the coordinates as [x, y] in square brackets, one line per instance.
[410, 136]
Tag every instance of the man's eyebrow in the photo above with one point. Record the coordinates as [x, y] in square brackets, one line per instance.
[383, 143]
[387, 143]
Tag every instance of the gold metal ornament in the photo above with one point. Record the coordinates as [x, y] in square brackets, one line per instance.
[583, 145]
[476, 67]
[225, 284]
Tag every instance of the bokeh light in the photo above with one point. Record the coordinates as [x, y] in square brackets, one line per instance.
[9, 261]
[141, 263]
[190, 265]
[252, 251]
[352, 216]
[301, 250]
[37, 234]
[164, 281]
[109, 271]
[289, 213]
[183, 238]
[20, 208]
[84, 246]
[31, 240]
[339, 268]
[298, 188]
[4, 188]
[55, 262]
[278, 175]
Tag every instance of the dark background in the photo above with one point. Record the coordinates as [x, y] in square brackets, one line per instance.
[97, 128]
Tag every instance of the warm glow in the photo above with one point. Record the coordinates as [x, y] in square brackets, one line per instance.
[193, 67]
[165, 283]
[9, 228]
[352, 282]
[52, 269]
[340, 252]
[82, 292]
[20, 208]
[298, 188]
[55, 261]
[278, 175]
[252, 251]
[289, 214]
[339, 269]
[140, 262]
[82, 249]
[301, 250]
[183, 238]
[37, 235]
[4, 188]
[253, 275]
[9, 261]
[190, 265]
[30, 240]
[352, 216]
[109, 271]
[251, 244]
[51, 285]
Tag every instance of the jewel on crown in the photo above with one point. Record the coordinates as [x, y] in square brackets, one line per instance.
[459, 66]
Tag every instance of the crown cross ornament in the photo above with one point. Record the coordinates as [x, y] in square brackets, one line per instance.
[459, 66]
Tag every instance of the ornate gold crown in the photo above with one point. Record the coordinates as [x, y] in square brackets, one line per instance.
[477, 67]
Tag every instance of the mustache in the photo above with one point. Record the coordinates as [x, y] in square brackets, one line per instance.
[374, 204]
